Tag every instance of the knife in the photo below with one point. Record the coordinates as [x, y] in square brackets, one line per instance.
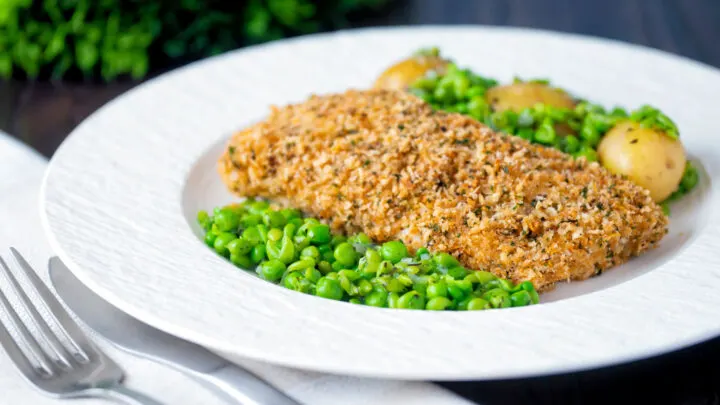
[229, 381]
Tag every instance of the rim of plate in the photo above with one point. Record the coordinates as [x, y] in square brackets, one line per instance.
[111, 205]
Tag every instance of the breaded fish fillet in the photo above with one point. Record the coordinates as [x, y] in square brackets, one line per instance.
[385, 163]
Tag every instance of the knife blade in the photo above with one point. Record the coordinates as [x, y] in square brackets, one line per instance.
[228, 380]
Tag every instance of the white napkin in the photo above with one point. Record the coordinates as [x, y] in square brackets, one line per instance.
[21, 171]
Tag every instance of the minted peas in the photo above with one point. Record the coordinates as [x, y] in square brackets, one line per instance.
[393, 251]
[271, 270]
[303, 255]
[345, 254]
[438, 304]
[411, 300]
[221, 242]
[329, 288]
[319, 234]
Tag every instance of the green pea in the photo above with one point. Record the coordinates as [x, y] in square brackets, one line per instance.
[356, 301]
[505, 284]
[377, 299]
[290, 214]
[477, 304]
[462, 305]
[545, 134]
[497, 297]
[525, 133]
[520, 299]
[242, 261]
[252, 236]
[310, 251]
[325, 267]
[351, 275]
[333, 275]
[445, 260]
[210, 239]
[589, 153]
[394, 285]
[525, 119]
[204, 220]
[690, 177]
[263, 231]
[312, 274]
[438, 304]
[590, 135]
[274, 219]
[394, 251]
[347, 284]
[329, 288]
[274, 235]
[458, 272]
[461, 85]
[530, 288]
[393, 300]
[483, 277]
[570, 144]
[298, 222]
[464, 285]
[282, 250]
[364, 287]
[271, 270]
[345, 254]
[337, 266]
[411, 300]
[319, 234]
[227, 220]
[257, 254]
[292, 280]
[476, 91]
[456, 292]
[422, 253]
[303, 264]
[250, 220]
[336, 240]
[258, 207]
[239, 247]
[361, 238]
[438, 289]
[221, 242]
[370, 263]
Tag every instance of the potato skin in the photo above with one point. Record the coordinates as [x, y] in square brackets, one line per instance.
[402, 74]
[647, 157]
[518, 96]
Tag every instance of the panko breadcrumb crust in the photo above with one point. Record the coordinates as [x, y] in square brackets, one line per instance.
[384, 163]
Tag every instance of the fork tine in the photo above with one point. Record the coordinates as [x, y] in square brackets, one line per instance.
[14, 351]
[12, 347]
[71, 329]
[45, 332]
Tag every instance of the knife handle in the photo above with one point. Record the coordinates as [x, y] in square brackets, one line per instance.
[243, 387]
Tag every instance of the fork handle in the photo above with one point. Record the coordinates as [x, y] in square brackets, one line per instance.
[240, 386]
[125, 395]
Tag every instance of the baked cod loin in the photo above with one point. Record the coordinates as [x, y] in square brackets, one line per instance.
[384, 163]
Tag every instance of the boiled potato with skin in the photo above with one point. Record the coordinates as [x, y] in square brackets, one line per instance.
[519, 96]
[402, 74]
[648, 157]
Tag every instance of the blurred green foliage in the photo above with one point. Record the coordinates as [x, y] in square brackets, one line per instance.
[107, 39]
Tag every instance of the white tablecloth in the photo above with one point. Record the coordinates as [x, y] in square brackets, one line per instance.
[21, 171]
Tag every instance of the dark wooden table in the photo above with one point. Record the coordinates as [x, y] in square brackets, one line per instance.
[43, 114]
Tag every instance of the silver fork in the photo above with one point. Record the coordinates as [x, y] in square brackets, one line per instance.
[62, 372]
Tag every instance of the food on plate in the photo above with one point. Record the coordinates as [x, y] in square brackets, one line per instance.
[302, 254]
[387, 164]
[517, 97]
[402, 74]
[547, 115]
[647, 156]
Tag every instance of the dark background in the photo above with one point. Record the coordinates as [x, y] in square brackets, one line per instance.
[42, 114]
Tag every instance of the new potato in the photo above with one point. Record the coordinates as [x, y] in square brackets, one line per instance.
[402, 74]
[519, 96]
[647, 157]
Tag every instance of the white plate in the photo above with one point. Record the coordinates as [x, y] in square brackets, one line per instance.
[121, 195]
